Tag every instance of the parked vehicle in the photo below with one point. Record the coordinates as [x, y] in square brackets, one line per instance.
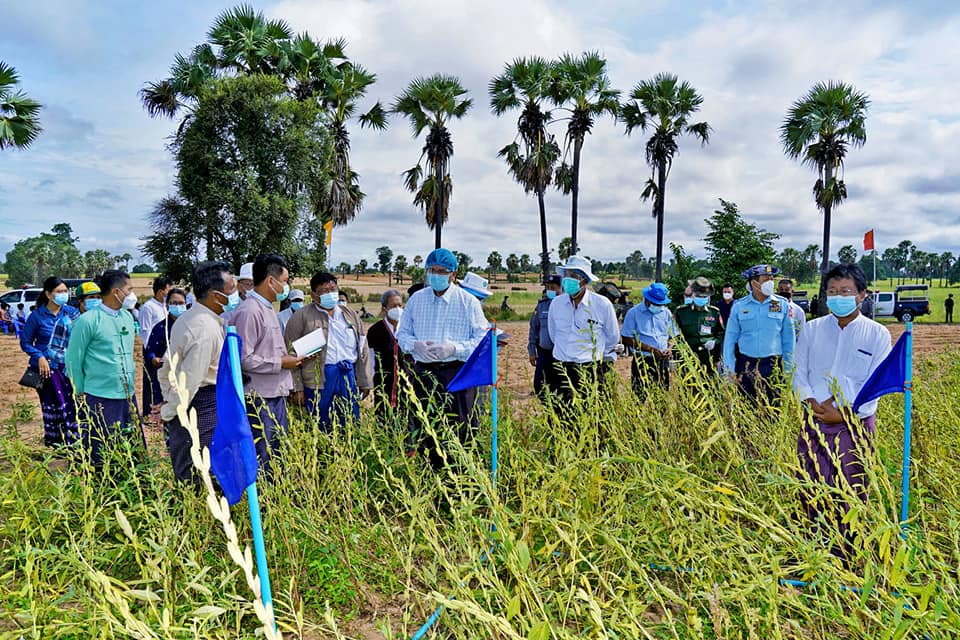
[27, 296]
[801, 300]
[905, 303]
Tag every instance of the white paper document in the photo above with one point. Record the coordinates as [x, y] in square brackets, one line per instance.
[310, 344]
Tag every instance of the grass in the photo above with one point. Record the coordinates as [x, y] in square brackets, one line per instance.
[695, 478]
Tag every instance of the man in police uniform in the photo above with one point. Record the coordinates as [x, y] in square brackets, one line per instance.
[700, 324]
[760, 327]
[539, 345]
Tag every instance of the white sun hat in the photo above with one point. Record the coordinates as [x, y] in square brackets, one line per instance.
[246, 272]
[578, 263]
[475, 284]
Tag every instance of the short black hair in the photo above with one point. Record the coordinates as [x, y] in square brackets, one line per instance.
[321, 278]
[112, 279]
[49, 285]
[345, 295]
[161, 283]
[726, 286]
[851, 271]
[174, 291]
[785, 281]
[20, 304]
[270, 264]
[209, 276]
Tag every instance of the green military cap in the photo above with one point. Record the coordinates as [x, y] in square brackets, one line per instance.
[701, 284]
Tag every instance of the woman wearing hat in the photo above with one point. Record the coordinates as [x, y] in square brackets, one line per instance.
[88, 296]
[649, 330]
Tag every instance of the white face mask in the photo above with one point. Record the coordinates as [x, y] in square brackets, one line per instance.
[728, 296]
[395, 314]
[767, 288]
[130, 301]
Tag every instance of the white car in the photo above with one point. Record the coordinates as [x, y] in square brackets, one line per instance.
[26, 296]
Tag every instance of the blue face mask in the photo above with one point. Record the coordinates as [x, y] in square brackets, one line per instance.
[61, 299]
[655, 309]
[329, 300]
[233, 301]
[296, 306]
[177, 310]
[701, 301]
[438, 282]
[284, 292]
[570, 286]
[92, 303]
[842, 306]
[687, 299]
[551, 294]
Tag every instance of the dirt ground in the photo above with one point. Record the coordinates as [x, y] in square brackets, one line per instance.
[516, 372]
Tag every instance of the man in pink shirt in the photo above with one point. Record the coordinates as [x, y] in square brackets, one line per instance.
[264, 359]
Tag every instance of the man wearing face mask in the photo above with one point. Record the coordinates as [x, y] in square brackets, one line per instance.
[539, 345]
[649, 330]
[835, 356]
[797, 317]
[196, 339]
[583, 327]
[761, 329]
[390, 364]
[88, 296]
[264, 357]
[331, 384]
[700, 324]
[99, 360]
[725, 304]
[152, 312]
[296, 303]
[440, 327]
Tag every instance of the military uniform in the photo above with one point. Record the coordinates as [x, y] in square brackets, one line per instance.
[763, 333]
[700, 326]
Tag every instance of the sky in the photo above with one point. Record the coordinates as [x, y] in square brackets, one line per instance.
[102, 162]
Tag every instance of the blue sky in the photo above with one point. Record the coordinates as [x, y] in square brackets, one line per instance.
[102, 162]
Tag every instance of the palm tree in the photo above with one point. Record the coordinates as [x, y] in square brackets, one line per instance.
[819, 129]
[580, 86]
[666, 105]
[249, 43]
[430, 103]
[524, 85]
[19, 125]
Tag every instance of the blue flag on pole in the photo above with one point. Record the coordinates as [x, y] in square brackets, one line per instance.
[477, 371]
[888, 377]
[233, 457]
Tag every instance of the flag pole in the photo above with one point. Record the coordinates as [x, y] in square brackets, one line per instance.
[253, 499]
[907, 420]
[493, 408]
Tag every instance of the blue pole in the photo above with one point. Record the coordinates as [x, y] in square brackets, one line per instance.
[253, 500]
[907, 420]
[422, 631]
[493, 410]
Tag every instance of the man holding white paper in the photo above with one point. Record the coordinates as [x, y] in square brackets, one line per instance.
[441, 326]
[332, 383]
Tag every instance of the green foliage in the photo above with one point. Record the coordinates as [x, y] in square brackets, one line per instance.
[33, 259]
[565, 249]
[96, 261]
[683, 269]
[802, 266]
[733, 245]
[384, 259]
[250, 167]
[19, 124]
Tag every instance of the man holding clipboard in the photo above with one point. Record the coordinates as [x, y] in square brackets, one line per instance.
[332, 383]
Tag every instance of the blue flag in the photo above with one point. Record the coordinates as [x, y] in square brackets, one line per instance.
[477, 371]
[889, 376]
[233, 457]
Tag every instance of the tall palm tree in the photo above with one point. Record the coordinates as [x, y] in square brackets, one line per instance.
[580, 86]
[430, 103]
[19, 125]
[819, 129]
[249, 43]
[524, 85]
[666, 105]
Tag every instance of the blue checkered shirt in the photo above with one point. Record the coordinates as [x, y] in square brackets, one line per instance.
[455, 317]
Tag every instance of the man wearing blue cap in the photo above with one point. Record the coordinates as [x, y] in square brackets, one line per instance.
[539, 345]
[761, 328]
[583, 328]
[649, 330]
[440, 327]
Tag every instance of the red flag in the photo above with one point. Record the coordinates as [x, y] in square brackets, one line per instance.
[868, 241]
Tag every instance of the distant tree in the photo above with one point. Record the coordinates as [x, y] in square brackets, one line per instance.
[361, 268]
[463, 263]
[19, 125]
[565, 249]
[96, 262]
[33, 259]
[494, 264]
[634, 264]
[682, 270]
[384, 259]
[418, 261]
[734, 244]
[944, 263]
[526, 266]
[344, 268]
[143, 267]
[847, 254]
[399, 267]
[513, 263]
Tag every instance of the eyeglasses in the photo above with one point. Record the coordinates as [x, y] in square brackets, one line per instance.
[842, 292]
[438, 271]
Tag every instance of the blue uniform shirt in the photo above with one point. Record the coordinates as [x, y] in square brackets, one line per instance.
[539, 335]
[760, 329]
[654, 329]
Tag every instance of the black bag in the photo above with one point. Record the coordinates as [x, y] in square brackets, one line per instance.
[31, 378]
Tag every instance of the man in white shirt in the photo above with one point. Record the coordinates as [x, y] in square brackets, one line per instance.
[152, 312]
[296, 299]
[797, 315]
[441, 326]
[583, 328]
[834, 357]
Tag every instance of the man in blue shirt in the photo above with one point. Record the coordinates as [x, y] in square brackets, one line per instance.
[760, 327]
[539, 344]
[649, 330]
[441, 326]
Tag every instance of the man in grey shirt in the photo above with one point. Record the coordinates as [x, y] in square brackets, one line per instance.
[539, 344]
